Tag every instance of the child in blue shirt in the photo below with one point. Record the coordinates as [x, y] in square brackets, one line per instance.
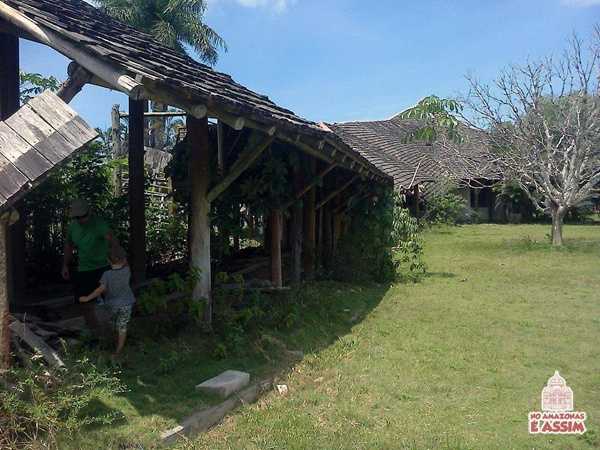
[116, 290]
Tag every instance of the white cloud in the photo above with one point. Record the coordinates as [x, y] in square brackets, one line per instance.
[580, 3]
[277, 6]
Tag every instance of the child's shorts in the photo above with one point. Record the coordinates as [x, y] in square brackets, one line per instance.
[121, 315]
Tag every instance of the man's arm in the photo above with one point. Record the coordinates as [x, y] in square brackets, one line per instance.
[111, 240]
[67, 258]
[97, 293]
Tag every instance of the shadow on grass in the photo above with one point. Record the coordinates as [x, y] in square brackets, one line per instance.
[161, 370]
[440, 275]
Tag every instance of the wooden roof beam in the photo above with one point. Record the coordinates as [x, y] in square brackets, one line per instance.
[73, 85]
[117, 79]
[244, 161]
[316, 180]
[337, 191]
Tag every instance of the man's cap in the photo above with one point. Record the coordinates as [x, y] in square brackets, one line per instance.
[79, 208]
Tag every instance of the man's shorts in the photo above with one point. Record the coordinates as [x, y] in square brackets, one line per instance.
[121, 315]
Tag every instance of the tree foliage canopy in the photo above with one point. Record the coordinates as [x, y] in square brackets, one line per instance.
[175, 23]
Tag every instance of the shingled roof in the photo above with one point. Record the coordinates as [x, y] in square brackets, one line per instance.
[158, 67]
[386, 144]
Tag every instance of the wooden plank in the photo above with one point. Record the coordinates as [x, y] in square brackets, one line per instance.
[39, 133]
[26, 158]
[36, 343]
[11, 179]
[62, 118]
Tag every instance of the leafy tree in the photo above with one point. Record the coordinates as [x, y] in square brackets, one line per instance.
[436, 115]
[32, 84]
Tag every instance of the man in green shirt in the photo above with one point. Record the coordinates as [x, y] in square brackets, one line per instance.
[92, 238]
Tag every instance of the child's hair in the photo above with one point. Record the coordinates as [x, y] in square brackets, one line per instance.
[117, 254]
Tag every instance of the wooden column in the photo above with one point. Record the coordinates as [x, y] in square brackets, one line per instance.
[310, 225]
[137, 209]
[337, 229]
[200, 175]
[327, 237]
[9, 75]
[9, 104]
[115, 135]
[296, 232]
[276, 234]
[4, 299]
[417, 196]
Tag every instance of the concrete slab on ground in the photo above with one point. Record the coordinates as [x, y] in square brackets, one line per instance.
[226, 383]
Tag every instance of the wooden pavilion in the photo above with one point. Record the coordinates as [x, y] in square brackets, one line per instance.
[107, 53]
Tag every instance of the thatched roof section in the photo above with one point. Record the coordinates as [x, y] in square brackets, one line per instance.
[387, 145]
[171, 77]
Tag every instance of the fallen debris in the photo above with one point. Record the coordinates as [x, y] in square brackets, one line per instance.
[209, 417]
[36, 343]
[282, 389]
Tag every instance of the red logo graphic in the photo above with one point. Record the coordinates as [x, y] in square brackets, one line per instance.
[557, 415]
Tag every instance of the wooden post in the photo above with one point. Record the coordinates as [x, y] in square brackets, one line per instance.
[337, 229]
[9, 75]
[137, 209]
[4, 299]
[417, 197]
[296, 232]
[115, 135]
[327, 237]
[276, 235]
[310, 225]
[200, 210]
[9, 104]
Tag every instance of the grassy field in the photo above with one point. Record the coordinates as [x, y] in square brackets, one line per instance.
[455, 361]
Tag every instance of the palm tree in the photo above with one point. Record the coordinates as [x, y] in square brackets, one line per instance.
[175, 23]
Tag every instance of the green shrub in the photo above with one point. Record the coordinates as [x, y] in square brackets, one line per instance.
[382, 238]
[448, 208]
[37, 405]
[408, 244]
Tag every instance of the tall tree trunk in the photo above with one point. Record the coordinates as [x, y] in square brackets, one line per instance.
[558, 214]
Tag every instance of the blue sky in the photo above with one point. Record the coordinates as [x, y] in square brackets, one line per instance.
[340, 60]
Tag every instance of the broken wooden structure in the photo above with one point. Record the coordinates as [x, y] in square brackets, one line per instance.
[107, 53]
[34, 140]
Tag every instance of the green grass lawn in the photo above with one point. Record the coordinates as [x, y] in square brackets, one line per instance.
[455, 361]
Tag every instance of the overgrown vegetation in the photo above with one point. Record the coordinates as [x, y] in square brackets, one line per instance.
[37, 404]
[381, 242]
[448, 208]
